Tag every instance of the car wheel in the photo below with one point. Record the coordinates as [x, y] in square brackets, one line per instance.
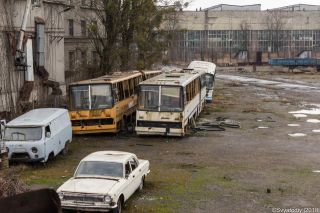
[141, 184]
[119, 207]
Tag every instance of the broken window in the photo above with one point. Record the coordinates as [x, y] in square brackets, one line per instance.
[83, 57]
[72, 60]
[71, 33]
[83, 28]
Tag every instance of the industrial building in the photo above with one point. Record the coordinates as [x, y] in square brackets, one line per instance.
[32, 59]
[230, 34]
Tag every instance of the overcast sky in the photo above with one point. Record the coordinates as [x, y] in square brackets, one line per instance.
[265, 4]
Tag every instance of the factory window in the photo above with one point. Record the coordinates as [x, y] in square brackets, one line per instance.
[72, 60]
[71, 27]
[83, 28]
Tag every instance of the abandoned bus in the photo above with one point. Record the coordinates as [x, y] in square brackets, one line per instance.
[168, 102]
[105, 104]
[210, 70]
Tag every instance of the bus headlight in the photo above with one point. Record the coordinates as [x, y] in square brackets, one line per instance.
[107, 199]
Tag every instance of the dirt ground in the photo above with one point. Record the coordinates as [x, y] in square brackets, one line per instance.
[252, 169]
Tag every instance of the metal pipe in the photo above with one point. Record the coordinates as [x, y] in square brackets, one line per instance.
[24, 25]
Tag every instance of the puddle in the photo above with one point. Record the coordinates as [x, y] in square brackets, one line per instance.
[259, 120]
[314, 121]
[313, 111]
[293, 125]
[300, 115]
[316, 130]
[297, 135]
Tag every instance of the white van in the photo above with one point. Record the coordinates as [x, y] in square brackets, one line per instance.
[38, 135]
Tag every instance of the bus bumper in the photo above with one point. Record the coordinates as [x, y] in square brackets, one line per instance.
[159, 131]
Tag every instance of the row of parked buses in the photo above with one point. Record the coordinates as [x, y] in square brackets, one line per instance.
[155, 102]
[167, 102]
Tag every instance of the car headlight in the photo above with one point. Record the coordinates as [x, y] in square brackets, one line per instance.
[107, 199]
[60, 195]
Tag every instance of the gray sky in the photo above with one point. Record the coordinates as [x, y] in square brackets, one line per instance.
[265, 4]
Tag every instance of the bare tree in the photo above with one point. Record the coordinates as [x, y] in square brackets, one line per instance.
[275, 25]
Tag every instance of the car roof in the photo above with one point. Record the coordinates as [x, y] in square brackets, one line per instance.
[109, 156]
[37, 117]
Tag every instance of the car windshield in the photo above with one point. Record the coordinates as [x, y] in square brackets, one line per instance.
[91, 96]
[23, 133]
[149, 98]
[99, 168]
[171, 99]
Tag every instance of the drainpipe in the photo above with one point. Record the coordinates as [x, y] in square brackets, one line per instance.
[24, 25]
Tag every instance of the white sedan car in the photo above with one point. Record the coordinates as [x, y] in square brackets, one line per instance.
[103, 181]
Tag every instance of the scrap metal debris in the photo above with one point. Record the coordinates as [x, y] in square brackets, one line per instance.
[218, 125]
[10, 184]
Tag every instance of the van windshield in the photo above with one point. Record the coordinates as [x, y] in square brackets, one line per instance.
[23, 133]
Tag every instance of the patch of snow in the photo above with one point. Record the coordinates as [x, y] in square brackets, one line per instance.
[293, 125]
[300, 115]
[314, 121]
[313, 111]
[316, 171]
[316, 130]
[262, 127]
[297, 135]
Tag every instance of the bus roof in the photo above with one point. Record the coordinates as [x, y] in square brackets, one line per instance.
[205, 66]
[174, 78]
[37, 117]
[114, 78]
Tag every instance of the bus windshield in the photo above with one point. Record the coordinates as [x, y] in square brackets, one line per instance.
[208, 81]
[171, 99]
[149, 98]
[97, 96]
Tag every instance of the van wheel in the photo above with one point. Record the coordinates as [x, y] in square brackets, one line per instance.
[65, 149]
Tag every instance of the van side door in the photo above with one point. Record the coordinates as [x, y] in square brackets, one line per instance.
[49, 141]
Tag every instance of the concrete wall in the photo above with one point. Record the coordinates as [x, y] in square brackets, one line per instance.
[257, 20]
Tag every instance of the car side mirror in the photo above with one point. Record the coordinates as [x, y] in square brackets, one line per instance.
[48, 135]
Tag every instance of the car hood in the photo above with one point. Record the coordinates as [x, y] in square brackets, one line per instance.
[88, 185]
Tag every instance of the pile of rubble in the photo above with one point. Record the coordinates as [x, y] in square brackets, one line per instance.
[10, 184]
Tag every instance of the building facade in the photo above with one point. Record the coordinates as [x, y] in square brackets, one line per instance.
[240, 35]
[80, 54]
[42, 52]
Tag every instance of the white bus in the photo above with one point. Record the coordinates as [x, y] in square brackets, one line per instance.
[168, 102]
[210, 70]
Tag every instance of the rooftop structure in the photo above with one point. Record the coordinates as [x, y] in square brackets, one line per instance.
[228, 7]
